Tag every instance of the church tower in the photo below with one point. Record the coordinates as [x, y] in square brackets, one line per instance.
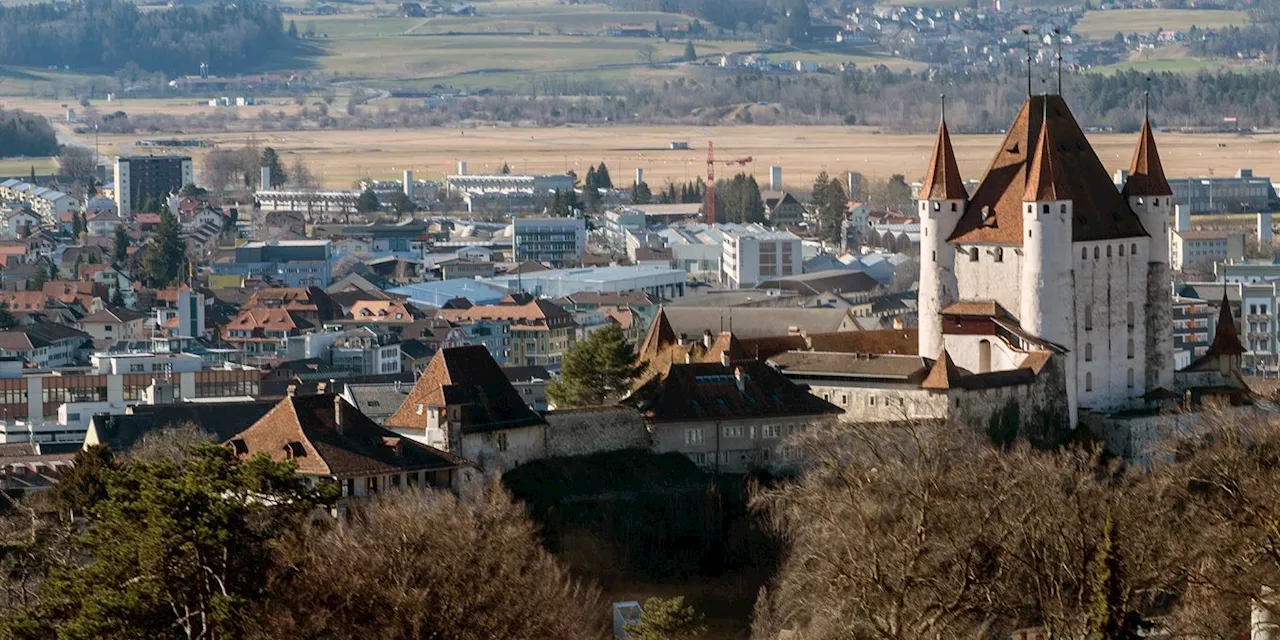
[942, 202]
[1151, 198]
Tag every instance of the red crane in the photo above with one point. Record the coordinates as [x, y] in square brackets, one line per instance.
[711, 179]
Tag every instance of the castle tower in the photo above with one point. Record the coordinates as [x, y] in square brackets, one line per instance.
[1047, 304]
[1151, 198]
[942, 202]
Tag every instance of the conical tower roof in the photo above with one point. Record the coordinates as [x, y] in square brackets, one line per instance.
[943, 181]
[1226, 342]
[1047, 179]
[1146, 173]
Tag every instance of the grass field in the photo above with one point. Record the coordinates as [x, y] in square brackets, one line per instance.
[341, 157]
[1103, 25]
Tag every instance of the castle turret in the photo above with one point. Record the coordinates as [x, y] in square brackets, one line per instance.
[942, 202]
[1047, 289]
[1151, 197]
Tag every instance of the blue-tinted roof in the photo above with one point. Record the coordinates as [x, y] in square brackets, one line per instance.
[435, 294]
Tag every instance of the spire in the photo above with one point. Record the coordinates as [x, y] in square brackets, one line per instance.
[943, 181]
[660, 335]
[1226, 342]
[1146, 173]
[943, 375]
[1046, 180]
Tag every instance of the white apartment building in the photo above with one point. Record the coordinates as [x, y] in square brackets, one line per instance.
[752, 253]
[50, 204]
[556, 241]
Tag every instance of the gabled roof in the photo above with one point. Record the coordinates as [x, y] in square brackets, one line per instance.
[659, 336]
[469, 378]
[38, 335]
[1099, 211]
[113, 314]
[943, 181]
[1146, 172]
[943, 375]
[222, 420]
[326, 436]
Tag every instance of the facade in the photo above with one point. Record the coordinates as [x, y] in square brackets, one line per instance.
[538, 332]
[1191, 248]
[621, 222]
[543, 184]
[1251, 307]
[782, 209]
[20, 221]
[752, 253]
[296, 263]
[1046, 259]
[1192, 328]
[115, 324]
[555, 241]
[49, 204]
[141, 180]
[1241, 193]
[45, 345]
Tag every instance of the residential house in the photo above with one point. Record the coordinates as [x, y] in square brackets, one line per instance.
[263, 332]
[531, 384]
[331, 441]
[115, 323]
[20, 222]
[221, 420]
[46, 345]
[378, 401]
[782, 209]
[538, 331]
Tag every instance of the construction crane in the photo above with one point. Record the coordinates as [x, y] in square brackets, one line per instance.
[711, 179]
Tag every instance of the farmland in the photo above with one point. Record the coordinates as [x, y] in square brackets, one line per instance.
[341, 157]
[1102, 25]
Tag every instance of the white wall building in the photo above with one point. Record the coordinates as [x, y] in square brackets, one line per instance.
[752, 253]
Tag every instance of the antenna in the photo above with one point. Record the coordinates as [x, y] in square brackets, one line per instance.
[1146, 101]
[1027, 32]
[943, 98]
[1057, 38]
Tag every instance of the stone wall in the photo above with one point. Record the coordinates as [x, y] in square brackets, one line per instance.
[574, 432]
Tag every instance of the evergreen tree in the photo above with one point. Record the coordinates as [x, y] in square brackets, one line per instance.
[121, 253]
[33, 174]
[667, 619]
[401, 203]
[271, 161]
[83, 486]
[830, 203]
[53, 271]
[1110, 615]
[367, 202]
[117, 298]
[595, 370]
[798, 21]
[657, 29]
[293, 30]
[7, 321]
[75, 268]
[165, 257]
[37, 282]
[690, 54]
[506, 169]
[640, 193]
[590, 181]
[603, 180]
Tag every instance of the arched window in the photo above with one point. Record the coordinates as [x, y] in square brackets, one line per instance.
[1046, 208]
[1088, 382]
[1128, 349]
[984, 356]
[1108, 251]
[953, 207]
[1084, 253]
[973, 254]
[937, 206]
[1133, 248]
[1121, 251]
[1128, 314]
[1062, 208]
[1156, 201]
[1088, 316]
[1128, 377]
[1088, 352]
[999, 253]
[1095, 253]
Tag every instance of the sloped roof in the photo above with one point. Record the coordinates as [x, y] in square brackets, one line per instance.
[1047, 179]
[305, 429]
[709, 391]
[38, 335]
[882, 341]
[1099, 211]
[221, 420]
[943, 181]
[943, 375]
[466, 376]
[1226, 342]
[1146, 172]
[754, 322]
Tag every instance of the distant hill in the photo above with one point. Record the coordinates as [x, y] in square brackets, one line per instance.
[108, 35]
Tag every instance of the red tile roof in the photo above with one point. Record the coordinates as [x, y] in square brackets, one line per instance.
[1047, 179]
[1146, 172]
[994, 212]
[943, 181]
[469, 378]
[944, 374]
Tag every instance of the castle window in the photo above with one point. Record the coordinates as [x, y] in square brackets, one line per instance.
[1046, 208]
[1128, 314]
[973, 254]
[1121, 251]
[1139, 200]
[1156, 202]
[1128, 378]
[1088, 317]
[935, 256]
[984, 356]
[1084, 253]
[999, 254]
[1088, 382]
[1133, 248]
[1108, 251]
[1062, 208]
[1031, 208]
[953, 207]
[1088, 352]
[1095, 253]
[937, 206]
[1128, 349]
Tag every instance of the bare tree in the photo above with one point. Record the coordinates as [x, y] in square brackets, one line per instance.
[413, 564]
[647, 54]
[301, 174]
[221, 168]
[171, 443]
[80, 163]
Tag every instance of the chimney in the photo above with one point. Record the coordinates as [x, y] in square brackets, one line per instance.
[775, 177]
[266, 178]
[740, 378]
[706, 338]
[339, 408]
[639, 175]
[291, 390]
[408, 183]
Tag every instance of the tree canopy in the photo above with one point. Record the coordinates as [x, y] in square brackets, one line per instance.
[595, 369]
[830, 204]
[25, 134]
[271, 162]
[165, 258]
[367, 202]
